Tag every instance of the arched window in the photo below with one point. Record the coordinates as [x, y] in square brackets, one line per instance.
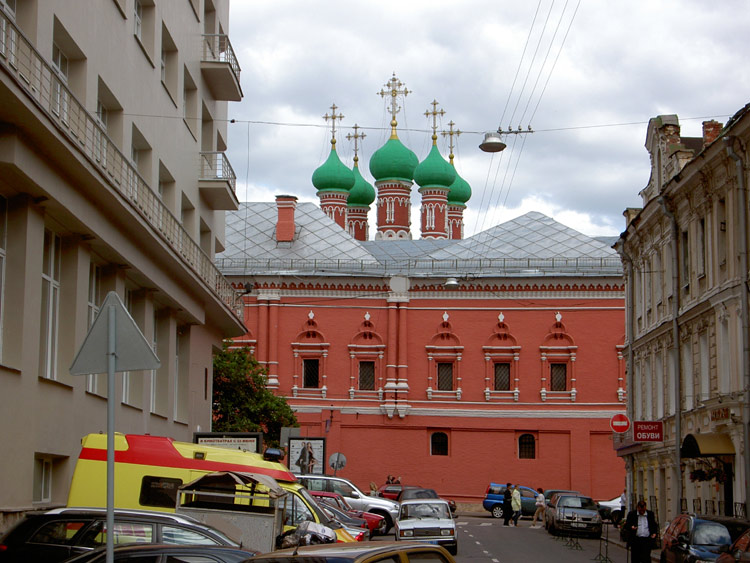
[526, 447]
[439, 443]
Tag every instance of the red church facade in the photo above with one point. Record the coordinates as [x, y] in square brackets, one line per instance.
[510, 376]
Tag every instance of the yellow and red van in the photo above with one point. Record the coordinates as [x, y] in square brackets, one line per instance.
[150, 469]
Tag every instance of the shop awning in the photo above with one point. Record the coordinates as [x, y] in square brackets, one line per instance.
[709, 444]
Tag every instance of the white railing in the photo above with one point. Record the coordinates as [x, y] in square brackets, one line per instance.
[216, 166]
[217, 48]
[43, 85]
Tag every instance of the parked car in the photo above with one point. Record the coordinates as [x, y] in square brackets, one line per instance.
[357, 527]
[171, 553]
[391, 490]
[418, 492]
[691, 538]
[611, 510]
[739, 551]
[573, 514]
[493, 500]
[549, 493]
[59, 534]
[427, 520]
[366, 552]
[387, 508]
[375, 522]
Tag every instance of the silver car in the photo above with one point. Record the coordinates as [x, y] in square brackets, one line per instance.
[427, 520]
[573, 514]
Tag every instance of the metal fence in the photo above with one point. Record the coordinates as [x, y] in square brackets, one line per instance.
[217, 48]
[43, 84]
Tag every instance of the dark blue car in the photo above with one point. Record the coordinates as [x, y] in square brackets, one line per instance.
[493, 500]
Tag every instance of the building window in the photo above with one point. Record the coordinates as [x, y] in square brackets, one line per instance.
[169, 64]
[558, 377]
[94, 300]
[685, 256]
[100, 135]
[445, 376]
[721, 216]
[439, 443]
[138, 19]
[310, 373]
[526, 447]
[50, 305]
[42, 479]
[502, 376]
[367, 376]
[701, 248]
[59, 84]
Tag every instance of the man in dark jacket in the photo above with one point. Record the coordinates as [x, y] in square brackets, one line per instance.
[507, 505]
[642, 531]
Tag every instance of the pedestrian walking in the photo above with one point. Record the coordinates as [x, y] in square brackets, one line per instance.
[541, 507]
[507, 506]
[515, 502]
[641, 532]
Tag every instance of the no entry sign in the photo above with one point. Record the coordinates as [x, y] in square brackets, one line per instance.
[619, 423]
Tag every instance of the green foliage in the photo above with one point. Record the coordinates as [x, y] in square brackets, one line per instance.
[241, 400]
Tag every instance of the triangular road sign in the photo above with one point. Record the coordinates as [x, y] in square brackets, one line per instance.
[132, 350]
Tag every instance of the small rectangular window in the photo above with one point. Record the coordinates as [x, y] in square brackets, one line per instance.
[42, 479]
[558, 377]
[159, 491]
[445, 376]
[367, 376]
[502, 377]
[311, 372]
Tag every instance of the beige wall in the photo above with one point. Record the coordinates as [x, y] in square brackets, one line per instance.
[58, 173]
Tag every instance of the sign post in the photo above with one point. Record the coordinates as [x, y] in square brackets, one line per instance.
[619, 423]
[114, 343]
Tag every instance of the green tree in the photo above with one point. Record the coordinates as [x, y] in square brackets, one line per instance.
[241, 400]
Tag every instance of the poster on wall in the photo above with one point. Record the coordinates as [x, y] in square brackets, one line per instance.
[307, 455]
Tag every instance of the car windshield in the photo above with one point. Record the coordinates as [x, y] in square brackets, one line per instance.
[426, 510]
[711, 533]
[578, 502]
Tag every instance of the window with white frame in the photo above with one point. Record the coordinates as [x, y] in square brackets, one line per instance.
[366, 376]
[50, 305]
[8, 34]
[439, 443]
[558, 377]
[311, 373]
[502, 376]
[42, 483]
[92, 308]
[445, 376]
[138, 19]
[60, 99]
[688, 392]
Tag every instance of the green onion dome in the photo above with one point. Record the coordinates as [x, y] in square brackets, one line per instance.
[460, 191]
[393, 161]
[434, 170]
[362, 192]
[333, 175]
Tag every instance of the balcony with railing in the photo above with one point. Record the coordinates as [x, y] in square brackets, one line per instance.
[217, 182]
[45, 89]
[220, 68]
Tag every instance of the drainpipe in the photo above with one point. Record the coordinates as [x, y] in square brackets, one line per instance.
[630, 337]
[740, 169]
[676, 355]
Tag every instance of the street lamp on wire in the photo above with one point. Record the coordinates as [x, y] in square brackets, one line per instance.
[493, 141]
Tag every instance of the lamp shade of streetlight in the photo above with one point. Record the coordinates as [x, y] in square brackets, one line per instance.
[492, 143]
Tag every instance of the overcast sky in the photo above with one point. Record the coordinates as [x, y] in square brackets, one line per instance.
[586, 76]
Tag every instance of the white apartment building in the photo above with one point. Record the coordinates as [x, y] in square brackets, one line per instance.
[687, 347]
[113, 177]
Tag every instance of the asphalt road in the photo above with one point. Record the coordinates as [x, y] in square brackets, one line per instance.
[482, 538]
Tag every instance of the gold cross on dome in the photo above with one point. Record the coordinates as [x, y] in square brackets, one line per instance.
[434, 113]
[333, 117]
[356, 136]
[450, 133]
[394, 86]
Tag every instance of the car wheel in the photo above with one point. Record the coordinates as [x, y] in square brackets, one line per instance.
[453, 550]
[497, 511]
